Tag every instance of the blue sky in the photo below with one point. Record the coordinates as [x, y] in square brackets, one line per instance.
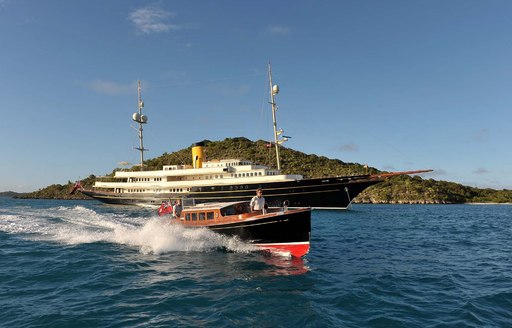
[398, 85]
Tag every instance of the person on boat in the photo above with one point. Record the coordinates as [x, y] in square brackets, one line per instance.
[258, 201]
[164, 208]
[176, 209]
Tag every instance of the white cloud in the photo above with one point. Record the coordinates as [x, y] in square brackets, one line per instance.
[349, 147]
[153, 20]
[111, 88]
[480, 170]
[278, 30]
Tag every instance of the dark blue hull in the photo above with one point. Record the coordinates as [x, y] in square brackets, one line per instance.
[326, 193]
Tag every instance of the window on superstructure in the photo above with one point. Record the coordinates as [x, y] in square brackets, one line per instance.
[187, 216]
[201, 216]
[194, 216]
[209, 215]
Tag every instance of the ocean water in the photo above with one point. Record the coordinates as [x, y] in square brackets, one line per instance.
[84, 264]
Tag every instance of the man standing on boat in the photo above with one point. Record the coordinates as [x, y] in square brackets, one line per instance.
[258, 201]
[176, 209]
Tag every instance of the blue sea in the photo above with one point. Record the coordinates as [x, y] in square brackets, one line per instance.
[84, 264]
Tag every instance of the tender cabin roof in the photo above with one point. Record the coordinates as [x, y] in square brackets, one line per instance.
[211, 206]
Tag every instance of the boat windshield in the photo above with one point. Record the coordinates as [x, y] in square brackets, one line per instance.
[235, 209]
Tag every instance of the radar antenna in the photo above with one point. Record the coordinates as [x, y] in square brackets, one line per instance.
[274, 90]
[141, 119]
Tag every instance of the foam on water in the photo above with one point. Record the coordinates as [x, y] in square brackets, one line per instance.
[78, 225]
[377, 265]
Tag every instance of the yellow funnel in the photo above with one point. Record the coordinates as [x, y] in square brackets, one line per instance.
[197, 155]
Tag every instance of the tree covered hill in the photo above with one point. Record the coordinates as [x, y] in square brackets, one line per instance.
[8, 194]
[400, 189]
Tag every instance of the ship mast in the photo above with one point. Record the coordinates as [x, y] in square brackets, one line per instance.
[274, 90]
[141, 119]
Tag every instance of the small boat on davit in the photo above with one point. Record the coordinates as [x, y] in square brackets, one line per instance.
[280, 230]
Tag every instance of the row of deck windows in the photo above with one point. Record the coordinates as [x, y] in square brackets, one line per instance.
[201, 216]
[243, 175]
[144, 179]
[214, 176]
[208, 177]
[159, 190]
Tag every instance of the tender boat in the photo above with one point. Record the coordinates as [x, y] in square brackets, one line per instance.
[281, 230]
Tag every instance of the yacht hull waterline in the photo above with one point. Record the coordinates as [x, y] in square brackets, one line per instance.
[321, 193]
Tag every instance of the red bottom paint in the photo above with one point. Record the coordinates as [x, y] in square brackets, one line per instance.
[295, 249]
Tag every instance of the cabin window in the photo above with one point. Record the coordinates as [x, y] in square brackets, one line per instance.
[187, 216]
[194, 216]
[201, 216]
[209, 215]
[229, 211]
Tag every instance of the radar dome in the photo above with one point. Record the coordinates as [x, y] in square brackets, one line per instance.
[275, 89]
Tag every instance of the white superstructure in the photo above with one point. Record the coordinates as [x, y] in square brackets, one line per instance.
[181, 178]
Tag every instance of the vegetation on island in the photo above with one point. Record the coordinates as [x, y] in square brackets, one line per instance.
[399, 189]
[58, 191]
[8, 194]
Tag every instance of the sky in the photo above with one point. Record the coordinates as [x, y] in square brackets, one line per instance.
[397, 85]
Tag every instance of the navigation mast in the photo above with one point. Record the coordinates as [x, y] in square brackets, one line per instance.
[141, 119]
[274, 90]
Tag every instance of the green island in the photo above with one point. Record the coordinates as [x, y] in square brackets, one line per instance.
[395, 190]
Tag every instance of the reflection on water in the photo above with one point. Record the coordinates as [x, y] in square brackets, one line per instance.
[284, 266]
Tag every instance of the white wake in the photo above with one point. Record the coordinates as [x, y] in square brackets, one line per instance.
[75, 225]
